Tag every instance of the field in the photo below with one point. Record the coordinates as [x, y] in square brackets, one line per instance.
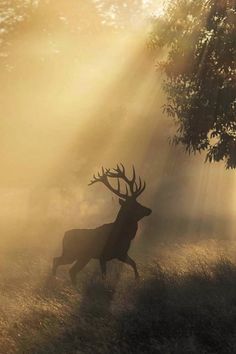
[185, 302]
[87, 84]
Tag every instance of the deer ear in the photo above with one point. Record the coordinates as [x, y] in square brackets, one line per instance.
[121, 201]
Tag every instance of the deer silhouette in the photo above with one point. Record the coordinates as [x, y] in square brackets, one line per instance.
[109, 241]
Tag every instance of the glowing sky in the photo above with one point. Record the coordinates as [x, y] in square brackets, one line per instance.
[77, 92]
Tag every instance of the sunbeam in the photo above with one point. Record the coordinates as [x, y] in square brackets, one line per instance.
[81, 90]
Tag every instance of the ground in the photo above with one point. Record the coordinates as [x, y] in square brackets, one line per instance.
[185, 302]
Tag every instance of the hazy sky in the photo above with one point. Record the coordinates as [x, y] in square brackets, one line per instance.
[80, 90]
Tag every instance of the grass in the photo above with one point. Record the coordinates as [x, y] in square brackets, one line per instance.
[174, 308]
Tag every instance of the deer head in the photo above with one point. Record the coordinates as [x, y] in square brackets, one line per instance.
[130, 208]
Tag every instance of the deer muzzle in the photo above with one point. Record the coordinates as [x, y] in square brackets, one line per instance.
[148, 212]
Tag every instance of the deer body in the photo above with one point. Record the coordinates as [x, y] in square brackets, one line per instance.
[109, 241]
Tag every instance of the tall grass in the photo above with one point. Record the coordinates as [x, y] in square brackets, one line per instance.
[170, 310]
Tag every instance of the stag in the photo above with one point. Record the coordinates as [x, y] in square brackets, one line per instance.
[109, 241]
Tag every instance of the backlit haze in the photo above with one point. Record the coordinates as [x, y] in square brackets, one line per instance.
[80, 89]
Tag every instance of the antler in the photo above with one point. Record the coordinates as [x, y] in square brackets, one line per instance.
[119, 172]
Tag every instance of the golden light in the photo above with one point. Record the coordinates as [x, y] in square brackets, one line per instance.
[80, 90]
[76, 98]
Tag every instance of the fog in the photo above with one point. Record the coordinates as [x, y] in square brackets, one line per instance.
[80, 90]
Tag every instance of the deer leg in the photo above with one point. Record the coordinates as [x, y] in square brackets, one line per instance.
[103, 268]
[127, 260]
[58, 261]
[80, 264]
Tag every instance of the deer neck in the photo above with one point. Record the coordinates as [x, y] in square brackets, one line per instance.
[124, 222]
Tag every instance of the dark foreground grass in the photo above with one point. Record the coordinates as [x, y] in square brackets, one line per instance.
[188, 311]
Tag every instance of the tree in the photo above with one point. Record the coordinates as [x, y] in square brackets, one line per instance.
[199, 37]
[123, 14]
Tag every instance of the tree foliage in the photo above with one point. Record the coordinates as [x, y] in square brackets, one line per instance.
[200, 74]
[123, 14]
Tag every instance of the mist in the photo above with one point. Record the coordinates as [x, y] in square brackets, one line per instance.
[80, 91]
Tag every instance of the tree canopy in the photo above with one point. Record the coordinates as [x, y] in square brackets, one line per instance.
[199, 68]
